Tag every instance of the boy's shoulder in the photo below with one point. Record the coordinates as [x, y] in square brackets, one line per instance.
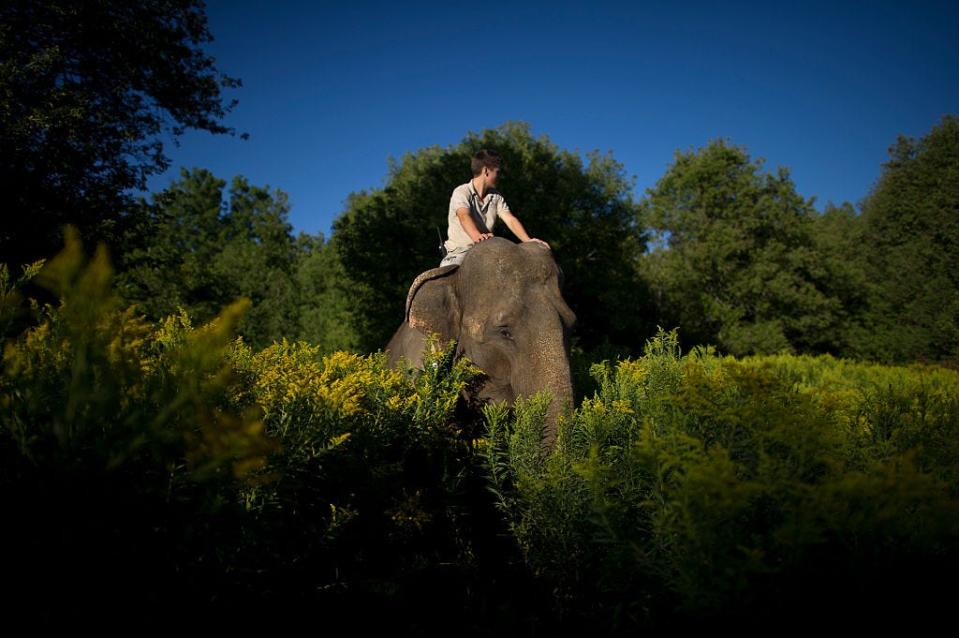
[464, 189]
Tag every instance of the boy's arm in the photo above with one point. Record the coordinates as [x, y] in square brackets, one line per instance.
[466, 221]
[516, 226]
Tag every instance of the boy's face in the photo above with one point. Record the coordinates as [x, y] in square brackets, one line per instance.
[492, 174]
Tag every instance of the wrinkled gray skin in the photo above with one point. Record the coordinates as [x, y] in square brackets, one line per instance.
[504, 307]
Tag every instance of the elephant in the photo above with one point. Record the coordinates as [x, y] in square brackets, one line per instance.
[504, 307]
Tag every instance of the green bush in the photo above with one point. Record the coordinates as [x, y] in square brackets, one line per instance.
[189, 472]
[701, 486]
[161, 470]
[118, 447]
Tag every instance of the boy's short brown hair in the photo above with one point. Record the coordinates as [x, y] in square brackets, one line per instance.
[486, 157]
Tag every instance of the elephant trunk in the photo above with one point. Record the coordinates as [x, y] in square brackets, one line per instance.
[549, 370]
[560, 386]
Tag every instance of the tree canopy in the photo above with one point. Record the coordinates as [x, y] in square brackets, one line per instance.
[911, 249]
[88, 89]
[735, 264]
[203, 249]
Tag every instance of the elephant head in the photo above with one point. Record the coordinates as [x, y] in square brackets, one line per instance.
[504, 308]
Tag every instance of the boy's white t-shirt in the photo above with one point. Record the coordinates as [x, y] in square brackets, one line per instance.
[484, 214]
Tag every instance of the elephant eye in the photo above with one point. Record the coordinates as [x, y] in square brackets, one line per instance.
[504, 331]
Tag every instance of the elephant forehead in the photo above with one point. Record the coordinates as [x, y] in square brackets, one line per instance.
[507, 295]
[517, 274]
[512, 279]
[534, 270]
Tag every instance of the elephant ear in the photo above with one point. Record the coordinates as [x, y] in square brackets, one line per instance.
[432, 305]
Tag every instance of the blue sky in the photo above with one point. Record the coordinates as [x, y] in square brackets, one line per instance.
[331, 90]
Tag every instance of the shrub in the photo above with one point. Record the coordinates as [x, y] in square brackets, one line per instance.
[701, 486]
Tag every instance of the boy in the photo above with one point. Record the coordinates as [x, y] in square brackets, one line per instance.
[474, 207]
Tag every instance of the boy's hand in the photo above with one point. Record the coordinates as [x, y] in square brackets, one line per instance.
[539, 240]
[482, 237]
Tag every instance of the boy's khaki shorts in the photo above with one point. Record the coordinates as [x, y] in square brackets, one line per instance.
[455, 256]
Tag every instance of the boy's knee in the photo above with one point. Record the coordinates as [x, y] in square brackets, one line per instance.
[453, 258]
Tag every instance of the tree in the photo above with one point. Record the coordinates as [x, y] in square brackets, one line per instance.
[838, 237]
[387, 236]
[87, 88]
[735, 264]
[324, 297]
[202, 253]
[911, 246]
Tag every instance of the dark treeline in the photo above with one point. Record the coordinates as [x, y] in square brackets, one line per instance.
[732, 255]
[726, 251]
